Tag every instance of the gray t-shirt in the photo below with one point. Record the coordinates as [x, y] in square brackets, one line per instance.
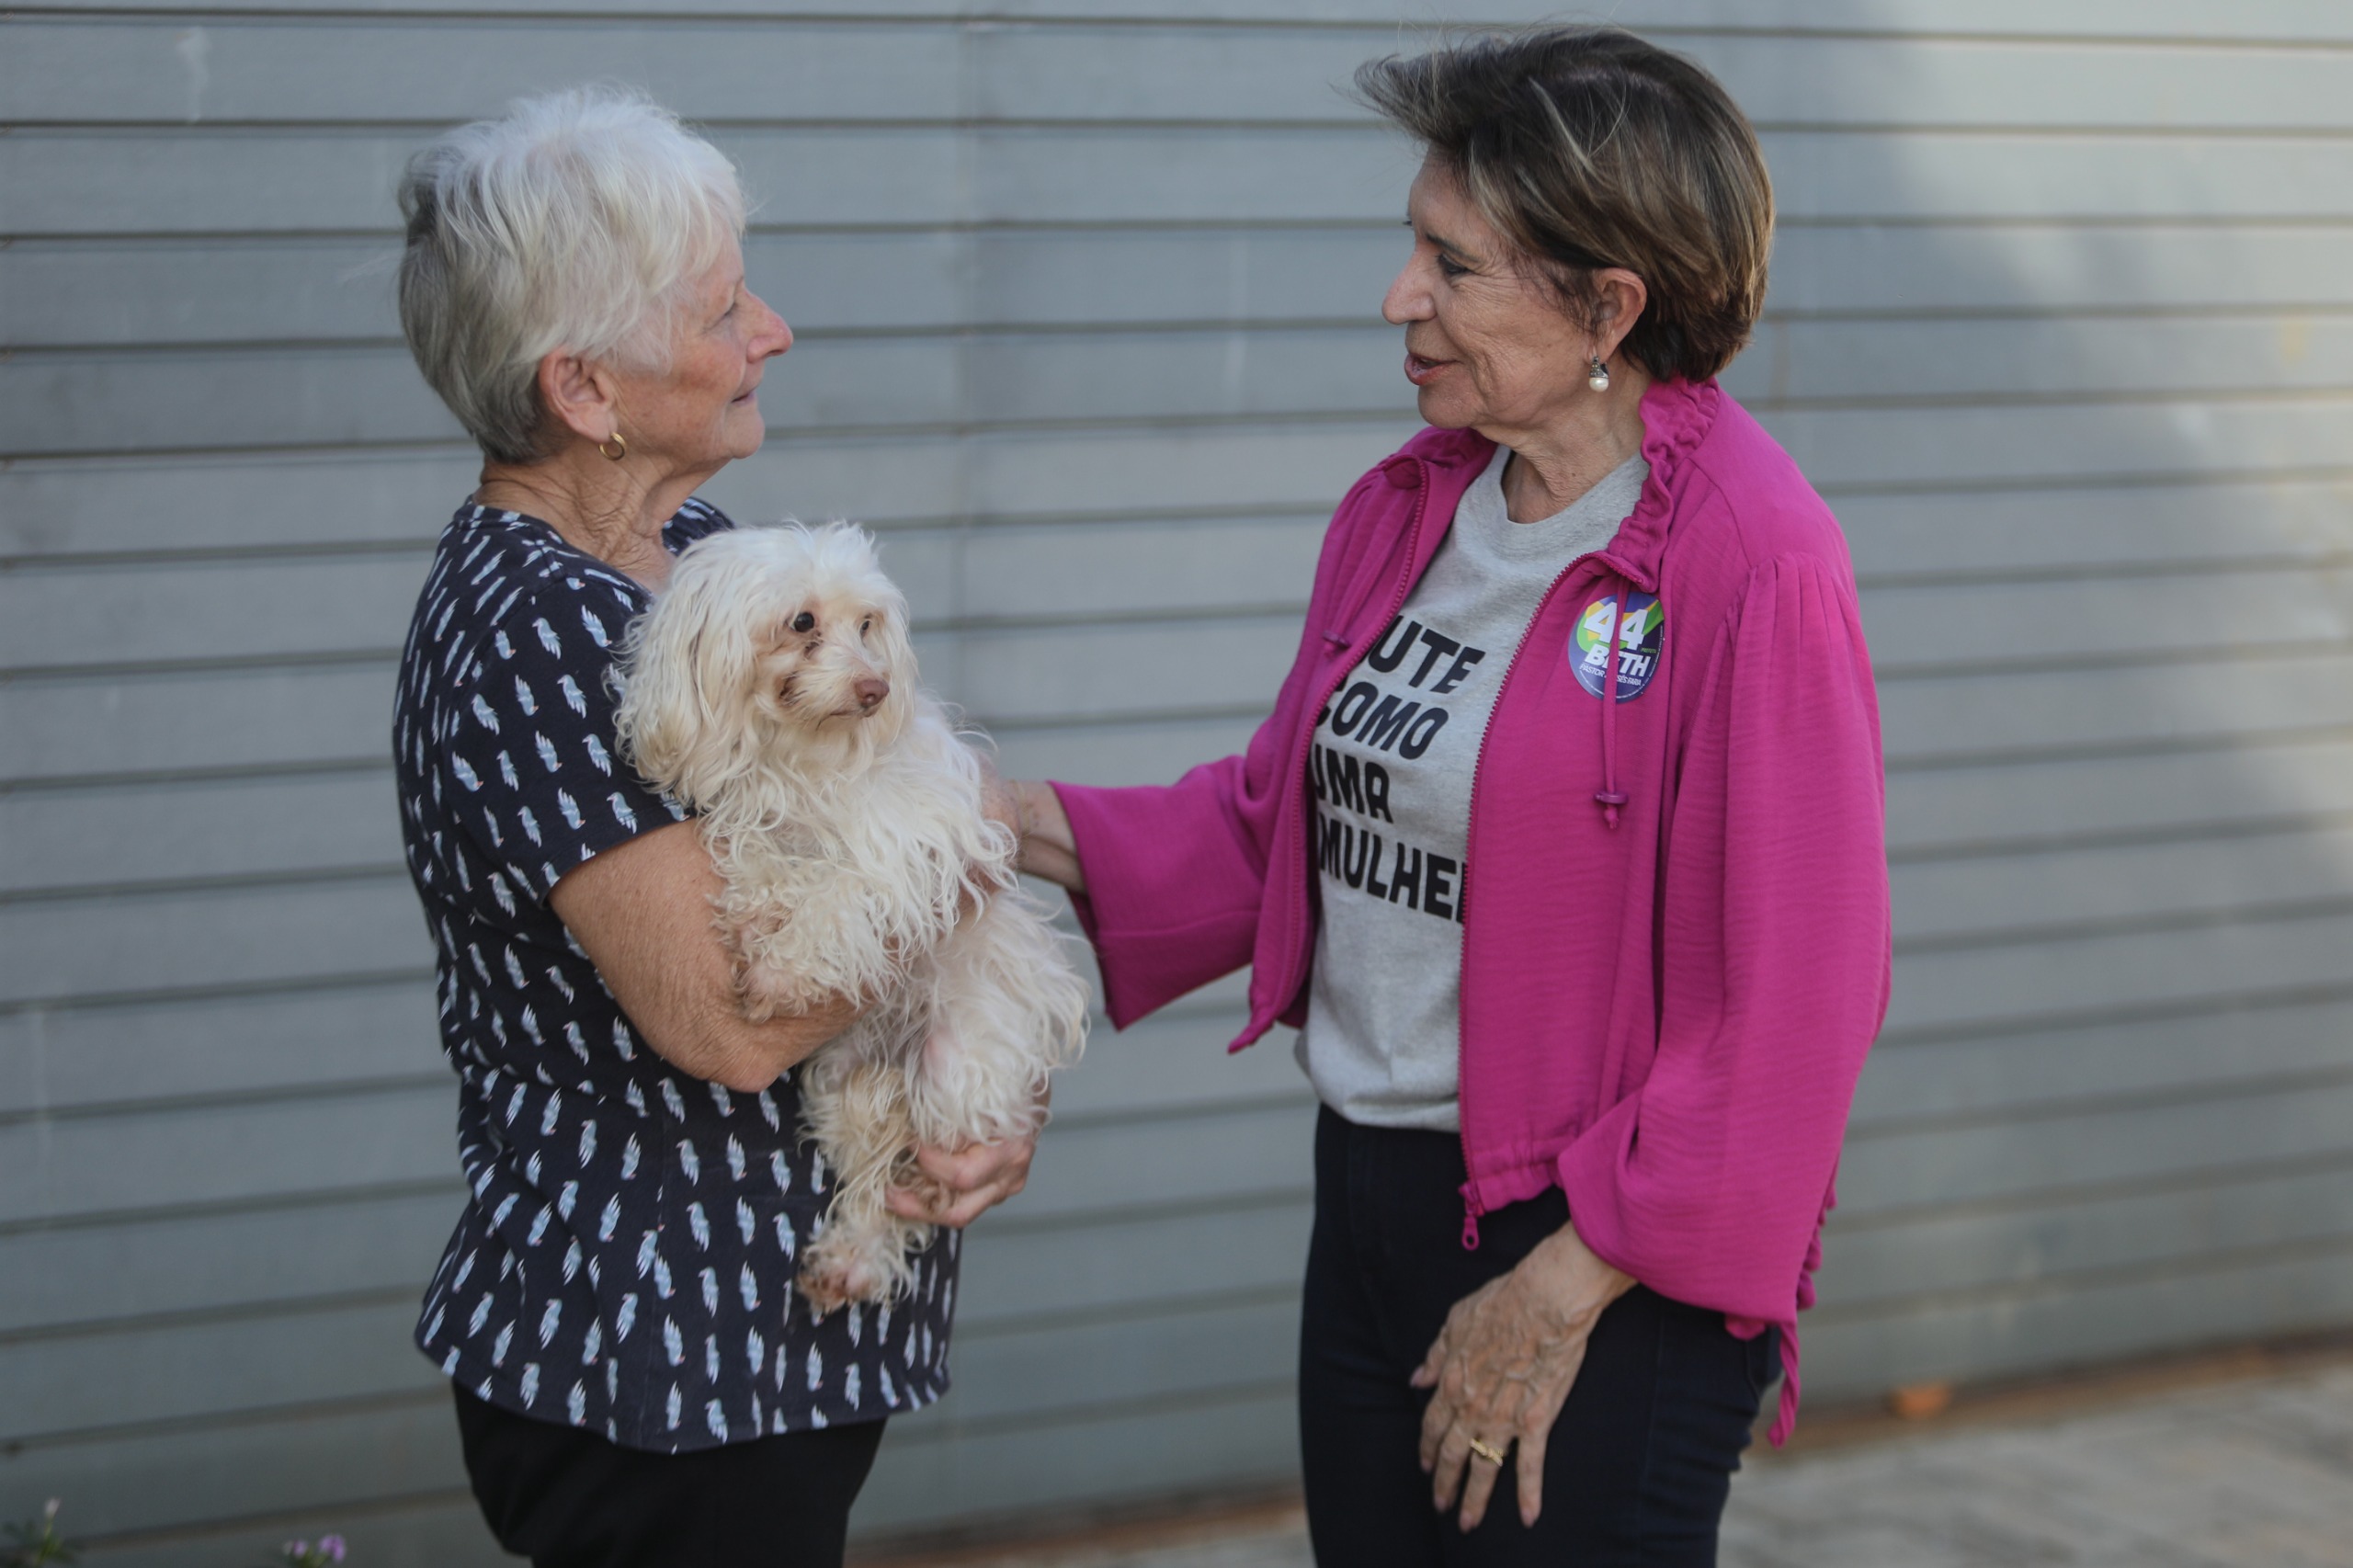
[1391, 766]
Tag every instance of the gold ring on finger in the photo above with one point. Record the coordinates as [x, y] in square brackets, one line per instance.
[1487, 1451]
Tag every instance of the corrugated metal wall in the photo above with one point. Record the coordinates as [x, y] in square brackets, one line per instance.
[2062, 323]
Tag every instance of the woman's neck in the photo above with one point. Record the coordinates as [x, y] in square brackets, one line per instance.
[1553, 464]
[601, 508]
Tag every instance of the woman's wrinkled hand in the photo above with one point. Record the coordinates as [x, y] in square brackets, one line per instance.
[1501, 1368]
[965, 1184]
[1000, 797]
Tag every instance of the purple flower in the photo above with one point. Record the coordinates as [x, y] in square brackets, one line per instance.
[330, 1548]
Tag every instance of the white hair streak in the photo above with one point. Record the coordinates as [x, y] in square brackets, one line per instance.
[569, 221]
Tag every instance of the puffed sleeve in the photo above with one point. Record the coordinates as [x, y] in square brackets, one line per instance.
[1709, 1184]
[531, 752]
[1177, 874]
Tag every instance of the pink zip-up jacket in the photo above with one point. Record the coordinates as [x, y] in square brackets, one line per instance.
[1675, 943]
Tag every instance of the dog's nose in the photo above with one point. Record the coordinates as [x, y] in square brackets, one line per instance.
[870, 692]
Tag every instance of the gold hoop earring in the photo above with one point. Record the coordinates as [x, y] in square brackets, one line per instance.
[609, 448]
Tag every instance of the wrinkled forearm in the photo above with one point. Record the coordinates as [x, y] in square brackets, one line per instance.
[1565, 1272]
[1048, 848]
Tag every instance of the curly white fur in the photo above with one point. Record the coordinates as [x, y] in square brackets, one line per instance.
[772, 688]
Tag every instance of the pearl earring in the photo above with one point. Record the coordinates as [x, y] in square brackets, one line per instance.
[1599, 380]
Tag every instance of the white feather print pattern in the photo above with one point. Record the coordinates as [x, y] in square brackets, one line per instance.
[562, 1210]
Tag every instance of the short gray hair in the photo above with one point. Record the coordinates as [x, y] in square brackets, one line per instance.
[568, 222]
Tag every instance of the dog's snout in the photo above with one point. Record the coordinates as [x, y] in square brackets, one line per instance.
[870, 692]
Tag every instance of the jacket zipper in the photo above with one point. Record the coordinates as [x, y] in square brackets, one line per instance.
[1473, 1205]
[1299, 763]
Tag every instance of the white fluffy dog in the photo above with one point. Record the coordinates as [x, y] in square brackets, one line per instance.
[772, 689]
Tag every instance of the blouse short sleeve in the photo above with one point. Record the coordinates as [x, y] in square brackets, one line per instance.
[532, 750]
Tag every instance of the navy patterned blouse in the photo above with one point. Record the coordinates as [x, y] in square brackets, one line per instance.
[625, 1261]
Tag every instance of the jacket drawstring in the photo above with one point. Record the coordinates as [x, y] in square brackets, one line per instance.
[1785, 1416]
[1610, 798]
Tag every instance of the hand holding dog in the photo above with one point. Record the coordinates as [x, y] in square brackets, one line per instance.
[968, 1182]
[1503, 1367]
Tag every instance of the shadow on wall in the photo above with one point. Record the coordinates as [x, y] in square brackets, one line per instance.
[2070, 364]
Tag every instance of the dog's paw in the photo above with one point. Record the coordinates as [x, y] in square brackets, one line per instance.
[835, 1283]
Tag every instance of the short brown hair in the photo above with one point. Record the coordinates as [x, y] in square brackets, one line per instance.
[1589, 147]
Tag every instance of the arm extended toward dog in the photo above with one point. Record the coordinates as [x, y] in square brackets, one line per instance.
[642, 913]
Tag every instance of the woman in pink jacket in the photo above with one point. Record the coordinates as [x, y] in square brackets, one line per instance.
[1562, 847]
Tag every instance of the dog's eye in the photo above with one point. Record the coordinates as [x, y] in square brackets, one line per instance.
[866, 626]
[803, 621]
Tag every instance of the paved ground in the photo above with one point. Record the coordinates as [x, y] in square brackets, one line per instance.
[2253, 1475]
[2250, 1472]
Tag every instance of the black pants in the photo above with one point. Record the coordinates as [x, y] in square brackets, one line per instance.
[1642, 1457]
[567, 1498]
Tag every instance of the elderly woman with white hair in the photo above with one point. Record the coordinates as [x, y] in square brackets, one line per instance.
[636, 1381]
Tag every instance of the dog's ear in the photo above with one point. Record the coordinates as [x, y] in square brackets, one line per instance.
[683, 668]
[860, 559]
[898, 650]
